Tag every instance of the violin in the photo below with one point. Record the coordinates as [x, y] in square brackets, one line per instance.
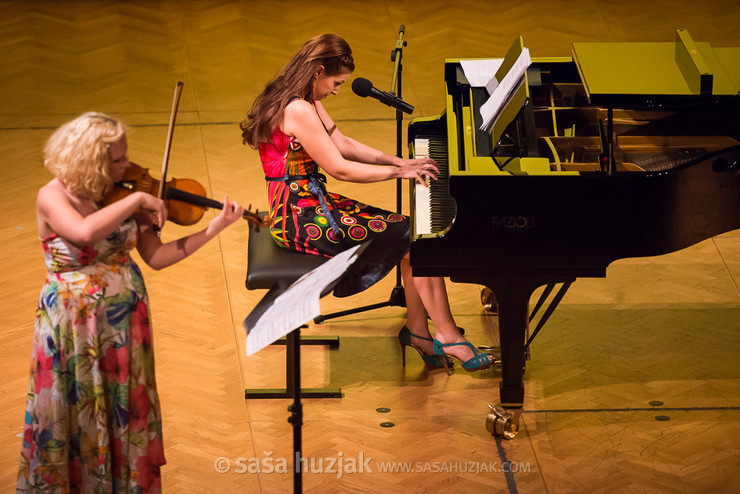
[184, 198]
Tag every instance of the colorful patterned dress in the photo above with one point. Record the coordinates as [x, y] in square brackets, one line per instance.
[306, 218]
[93, 421]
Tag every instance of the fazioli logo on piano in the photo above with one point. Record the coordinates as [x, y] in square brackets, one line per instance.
[512, 222]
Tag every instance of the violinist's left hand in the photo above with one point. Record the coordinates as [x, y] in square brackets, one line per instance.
[228, 215]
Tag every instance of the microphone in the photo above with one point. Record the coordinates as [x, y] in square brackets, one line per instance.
[363, 87]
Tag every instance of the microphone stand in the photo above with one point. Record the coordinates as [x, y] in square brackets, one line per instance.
[398, 295]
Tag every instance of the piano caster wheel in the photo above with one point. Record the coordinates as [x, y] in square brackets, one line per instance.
[502, 422]
[488, 299]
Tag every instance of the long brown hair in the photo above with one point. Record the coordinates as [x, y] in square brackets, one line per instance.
[296, 80]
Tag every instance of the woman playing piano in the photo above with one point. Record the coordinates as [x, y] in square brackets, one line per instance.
[295, 137]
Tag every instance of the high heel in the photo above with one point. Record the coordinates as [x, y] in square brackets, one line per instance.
[478, 361]
[404, 338]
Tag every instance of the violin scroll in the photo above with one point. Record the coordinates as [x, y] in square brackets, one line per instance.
[254, 218]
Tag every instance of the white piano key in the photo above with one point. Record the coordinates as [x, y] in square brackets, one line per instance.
[422, 198]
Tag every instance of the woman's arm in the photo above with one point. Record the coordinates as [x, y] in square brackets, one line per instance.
[356, 151]
[352, 149]
[159, 255]
[301, 121]
[57, 214]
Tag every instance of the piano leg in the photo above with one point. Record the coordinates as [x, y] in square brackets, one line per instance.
[513, 294]
[513, 315]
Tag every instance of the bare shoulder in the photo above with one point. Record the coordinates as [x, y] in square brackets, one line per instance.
[299, 117]
[49, 199]
[299, 108]
[51, 193]
[54, 198]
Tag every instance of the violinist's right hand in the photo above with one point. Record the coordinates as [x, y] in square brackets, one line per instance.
[153, 207]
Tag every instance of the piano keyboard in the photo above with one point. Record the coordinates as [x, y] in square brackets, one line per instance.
[434, 209]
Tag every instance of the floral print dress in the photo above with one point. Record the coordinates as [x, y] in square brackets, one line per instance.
[92, 420]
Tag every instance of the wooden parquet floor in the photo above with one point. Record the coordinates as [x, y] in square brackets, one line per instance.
[633, 386]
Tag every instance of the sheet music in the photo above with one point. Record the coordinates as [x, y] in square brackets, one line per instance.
[513, 79]
[482, 73]
[298, 304]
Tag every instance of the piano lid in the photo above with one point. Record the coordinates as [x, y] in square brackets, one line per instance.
[652, 74]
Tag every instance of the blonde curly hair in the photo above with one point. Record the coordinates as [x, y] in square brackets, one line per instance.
[77, 153]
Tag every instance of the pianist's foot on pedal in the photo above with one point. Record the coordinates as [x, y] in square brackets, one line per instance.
[470, 357]
[423, 345]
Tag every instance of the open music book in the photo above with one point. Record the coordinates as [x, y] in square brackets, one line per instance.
[482, 73]
[505, 89]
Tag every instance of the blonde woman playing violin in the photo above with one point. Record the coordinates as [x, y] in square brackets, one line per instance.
[92, 418]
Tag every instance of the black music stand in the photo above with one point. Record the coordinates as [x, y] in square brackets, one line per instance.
[398, 294]
[270, 332]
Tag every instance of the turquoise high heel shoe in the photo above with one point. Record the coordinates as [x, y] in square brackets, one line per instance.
[404, 338]
[478, 361]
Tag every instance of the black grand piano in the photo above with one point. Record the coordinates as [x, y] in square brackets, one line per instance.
[622, 150]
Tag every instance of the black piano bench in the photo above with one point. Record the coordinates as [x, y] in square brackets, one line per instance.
[269, 266]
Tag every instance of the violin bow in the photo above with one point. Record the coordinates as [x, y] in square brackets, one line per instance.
[168, 144]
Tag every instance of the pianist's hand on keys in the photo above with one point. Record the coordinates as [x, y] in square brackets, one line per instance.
[420, 169]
